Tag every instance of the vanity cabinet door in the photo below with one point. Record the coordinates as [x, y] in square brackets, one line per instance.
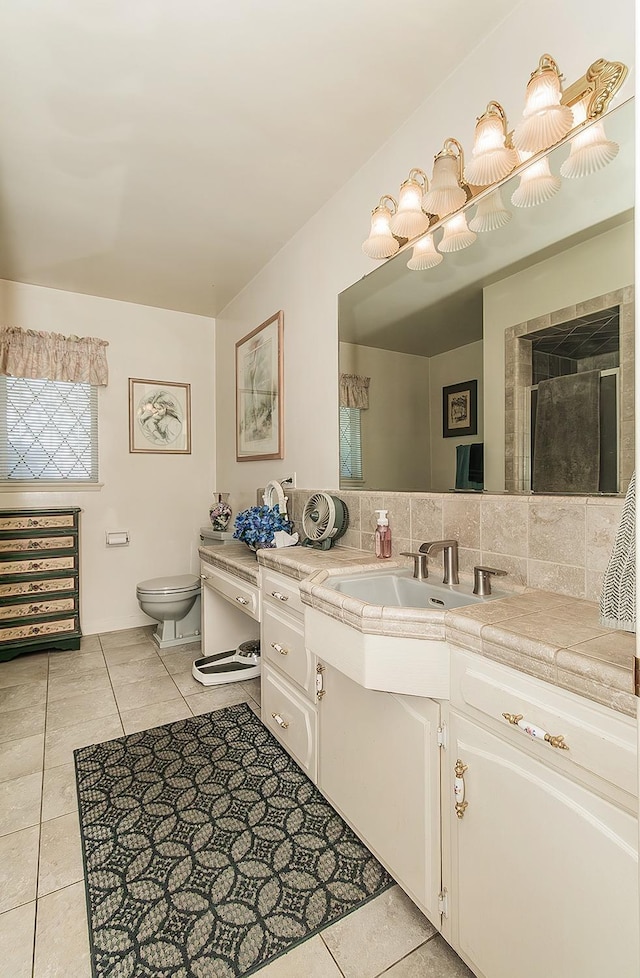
[378, 765]
[542, 874]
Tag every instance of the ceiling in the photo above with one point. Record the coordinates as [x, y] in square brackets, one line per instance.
[162, 151]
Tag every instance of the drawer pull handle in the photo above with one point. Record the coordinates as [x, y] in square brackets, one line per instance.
[281, 723]
[279, 595]
[320, 690]
[279, 648]
[459, 788]
[241, 600]
[538, 733]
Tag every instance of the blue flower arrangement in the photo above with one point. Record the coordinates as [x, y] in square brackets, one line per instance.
[257, 525]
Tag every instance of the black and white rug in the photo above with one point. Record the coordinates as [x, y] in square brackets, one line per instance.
[208, 852]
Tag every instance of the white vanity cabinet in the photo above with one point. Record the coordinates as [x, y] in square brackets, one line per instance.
[288, 672]
[230, 610]
[540, 843]
[378, 765]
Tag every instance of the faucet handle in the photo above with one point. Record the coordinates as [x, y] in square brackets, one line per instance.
[482, 579]
[420, 569]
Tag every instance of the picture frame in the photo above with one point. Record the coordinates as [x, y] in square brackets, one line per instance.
[259, 392]
[159, 417]
[460, 409]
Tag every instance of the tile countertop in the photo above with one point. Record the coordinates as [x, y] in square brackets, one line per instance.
[550, 636]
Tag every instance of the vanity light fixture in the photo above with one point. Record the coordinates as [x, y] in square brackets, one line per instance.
[491, 213]
[493, 155]
[545, 119]
[537, 184]
[381, 242]
[447, 193]
[409, 219]
[590, 148]
[456, 234]
[424, 255]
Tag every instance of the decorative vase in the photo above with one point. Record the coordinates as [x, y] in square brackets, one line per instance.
[220, 512]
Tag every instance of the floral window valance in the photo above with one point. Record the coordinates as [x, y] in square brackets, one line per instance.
[53, 356]
[354, 391]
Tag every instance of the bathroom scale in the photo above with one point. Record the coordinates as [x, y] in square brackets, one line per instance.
[229, 667]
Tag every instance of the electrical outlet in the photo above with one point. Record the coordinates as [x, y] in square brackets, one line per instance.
[289, 481]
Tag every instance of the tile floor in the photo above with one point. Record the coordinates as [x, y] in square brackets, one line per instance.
[120, 683]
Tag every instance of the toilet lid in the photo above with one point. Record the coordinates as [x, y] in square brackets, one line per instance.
[169, 585]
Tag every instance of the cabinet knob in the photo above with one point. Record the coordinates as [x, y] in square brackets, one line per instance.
[280, 721]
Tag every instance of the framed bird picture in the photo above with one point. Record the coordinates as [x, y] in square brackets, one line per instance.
[159, 417]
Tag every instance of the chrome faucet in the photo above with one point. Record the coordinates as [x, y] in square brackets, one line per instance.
[450, 553]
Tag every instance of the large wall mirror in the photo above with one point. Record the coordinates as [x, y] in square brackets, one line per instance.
[547, 296]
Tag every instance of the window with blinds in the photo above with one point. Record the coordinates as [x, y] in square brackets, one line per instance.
[48, 431]
[350, 444]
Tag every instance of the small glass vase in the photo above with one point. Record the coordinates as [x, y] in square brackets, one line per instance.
[220, 511]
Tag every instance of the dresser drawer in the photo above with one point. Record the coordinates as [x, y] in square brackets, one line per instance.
[282, 591]
[283, 645]
[38, 565]
[599, 741]
[17, 588]
[291, 720]
[54, 629]
[37, 543]
[240, 593]
[37, 608]
[44, 522]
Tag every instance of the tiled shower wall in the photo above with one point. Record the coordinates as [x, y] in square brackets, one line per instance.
[556, 543]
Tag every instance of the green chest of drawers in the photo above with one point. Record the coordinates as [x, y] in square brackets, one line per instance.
[39, 580]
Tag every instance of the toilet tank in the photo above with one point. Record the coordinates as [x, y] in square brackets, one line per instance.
[214, 538]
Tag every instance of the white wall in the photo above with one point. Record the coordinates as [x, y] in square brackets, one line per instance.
[601, 264]
[324, 258]
[453, 367]
[160, 499]
[395, 428]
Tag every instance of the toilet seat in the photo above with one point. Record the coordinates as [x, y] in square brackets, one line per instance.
[177, 584]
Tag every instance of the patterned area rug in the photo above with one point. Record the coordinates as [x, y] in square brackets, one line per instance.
[208, 852]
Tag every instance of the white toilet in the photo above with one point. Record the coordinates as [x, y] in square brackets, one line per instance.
[174, 602]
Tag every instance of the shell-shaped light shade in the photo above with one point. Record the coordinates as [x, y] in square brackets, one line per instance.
[544, 120]
[590, 151]
[424, 255]
[537, 184]
[491, 214]
[409, 220]
[456, 234]
[380, 243]
[446, 195]
[492, 160]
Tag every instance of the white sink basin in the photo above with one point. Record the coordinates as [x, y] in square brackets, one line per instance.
[398, 589]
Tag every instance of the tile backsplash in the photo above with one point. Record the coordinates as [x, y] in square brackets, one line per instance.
[556, 543]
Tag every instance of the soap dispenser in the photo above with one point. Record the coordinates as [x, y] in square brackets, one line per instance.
[383, 534]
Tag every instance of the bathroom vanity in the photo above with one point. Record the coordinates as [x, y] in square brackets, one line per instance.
[426, 731]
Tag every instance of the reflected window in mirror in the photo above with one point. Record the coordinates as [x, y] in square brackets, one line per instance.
[350, 446]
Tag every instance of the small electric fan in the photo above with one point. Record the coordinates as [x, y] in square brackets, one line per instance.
[324, 519]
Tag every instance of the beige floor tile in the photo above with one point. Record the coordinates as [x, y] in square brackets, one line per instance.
[83, 706]
[154, 715]
[133, 696]
[20, 803]
[137, 672]
[31, 668]
[62, 938]
[21, 757]
[90, 643]
[435, 959]
[72, 664]
[253, 687]
[27, 697]
[126, 636]
[59, 795]
[256, 708]
[377, 935]
[187, 685]
[21, 723]
[89, 682]
[311, 960]
[179, 660]
[18, 867]
[59, 745]
[16, 940]
[217, 697]
[60, 854]
[130, 653]
[194, 649]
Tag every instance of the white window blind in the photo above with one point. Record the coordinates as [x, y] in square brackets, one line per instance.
[49, 431]
[350, 444]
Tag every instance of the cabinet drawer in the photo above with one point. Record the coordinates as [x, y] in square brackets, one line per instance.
[37, 565]
[283, 645]
[20, 544]
[37, 587]
[51, 522]
[39, 607]
[15, 633]
[282, 591]
[291, 720]
[240, 593]
[599, 741]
